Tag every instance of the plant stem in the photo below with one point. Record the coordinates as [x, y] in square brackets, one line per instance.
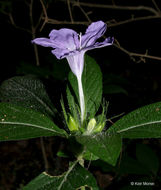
[81, 162]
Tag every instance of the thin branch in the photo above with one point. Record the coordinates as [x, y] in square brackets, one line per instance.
[156, 15]
[70, 11]
[54, 21]
[12, 22]
[44, 154]
[132, 19]
[134, 54]
[44, 9]
[85, 14]
[45, 14]
[33, 30]
[31, 16]
[112, 23]
[156, 6]
[117, 7]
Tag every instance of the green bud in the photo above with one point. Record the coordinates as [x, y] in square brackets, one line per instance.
[99, 127]
[72, 125]
[91, 125]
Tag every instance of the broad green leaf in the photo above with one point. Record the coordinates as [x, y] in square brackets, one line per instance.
[27, 91]
[144, 122]
[147, 157]
[92, 86]
[106, 146]
[18, 123]
[73, 179]
[89, 156]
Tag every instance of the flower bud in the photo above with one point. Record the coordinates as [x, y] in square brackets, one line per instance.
[91, 125]
[72, 125]
[99, 127]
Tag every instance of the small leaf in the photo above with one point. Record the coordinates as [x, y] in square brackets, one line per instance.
[17, 123]
[72, 125]
[74, 178]
[144, 122]
[92, 86]
[106, 146]
[62, 154]
[27, 91]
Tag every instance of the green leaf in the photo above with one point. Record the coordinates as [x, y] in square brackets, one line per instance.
[89, 156]
[144, 122]
[18, 123]
[62, 154]
[27, 91]
[74, 178]
[92, 86]
[104, 145]
[147, 157]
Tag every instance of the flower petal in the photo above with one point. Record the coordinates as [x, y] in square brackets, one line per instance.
[65, 39]
[60, 53]
[93, 32]
[108, 41]
[44, 42]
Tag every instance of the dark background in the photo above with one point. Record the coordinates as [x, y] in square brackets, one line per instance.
[140, 81]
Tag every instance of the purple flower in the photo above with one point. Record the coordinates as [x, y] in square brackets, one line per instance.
[67, 43]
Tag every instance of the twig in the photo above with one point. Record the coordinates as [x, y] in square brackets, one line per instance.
[133, 54]
[117, 7]
[54, 21]
[110, 24]
[45, 14]
[156, 6]
[85, 14]
[132, 19]
[156, 15]
[12, 22]
[44, 154]
[33, 30]
[70, 12]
